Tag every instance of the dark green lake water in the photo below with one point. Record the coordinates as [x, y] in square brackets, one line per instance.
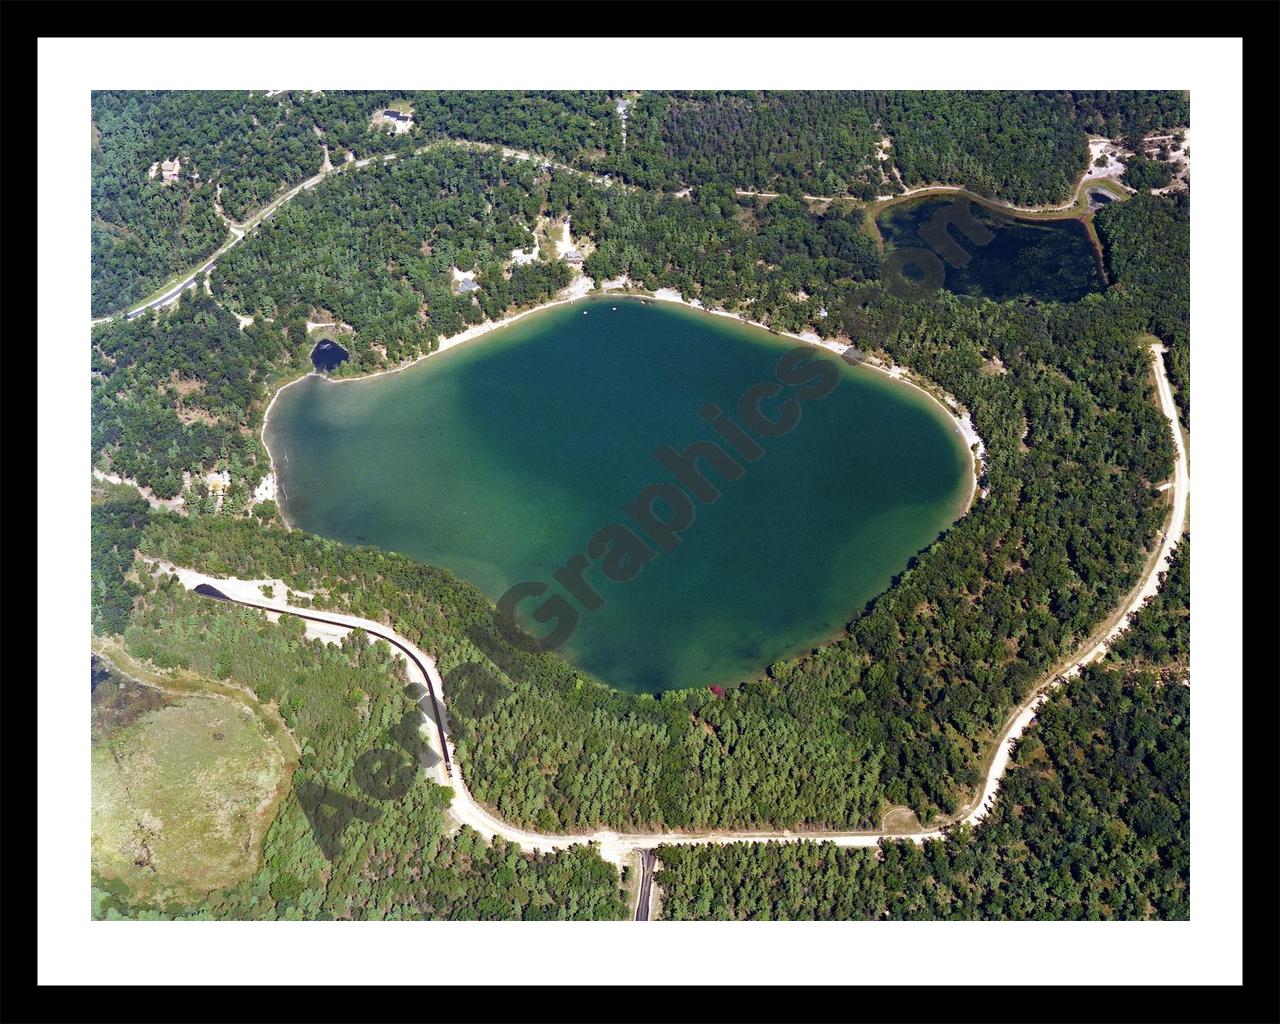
[501, 458]
[1052, 261]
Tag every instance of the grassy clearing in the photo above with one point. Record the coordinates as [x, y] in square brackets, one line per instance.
[900, 820]
[186, 780]
[556, 232]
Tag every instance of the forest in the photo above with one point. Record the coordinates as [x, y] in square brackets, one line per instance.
[179, 392]
[897, 713]
[1148, 248]
[1092, 824]
[894, 714]
[239, 150]
[1160, 635]
[341, 701]
[1092, 821]
[115, 529]
[374, 248]
[1023, 147]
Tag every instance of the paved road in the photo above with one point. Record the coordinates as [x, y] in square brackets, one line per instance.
[410, 652]
[173, 293]
[647, 857]
[240, 231]
[617, 847]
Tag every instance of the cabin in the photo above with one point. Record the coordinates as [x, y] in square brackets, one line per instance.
[468, 284]
[398, 120]
[170, 169]
[574, 258]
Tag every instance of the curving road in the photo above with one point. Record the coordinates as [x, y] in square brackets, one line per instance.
[617, 847]
[240, 231]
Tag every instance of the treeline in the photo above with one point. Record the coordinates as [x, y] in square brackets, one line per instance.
[774, 261]
[115, 530]
[342, 701]
[182, 391]
[242, 149]
[817, 142]
[1092, 820]
[1160, 635]
[1092, 823]
[1023, 147]
[374, 249]
[1148, 251]
[896, 713]
[574, 127]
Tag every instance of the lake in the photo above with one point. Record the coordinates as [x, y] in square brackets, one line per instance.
[1047, 260]
[503, 457]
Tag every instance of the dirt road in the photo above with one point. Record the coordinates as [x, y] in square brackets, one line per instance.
[616, 847]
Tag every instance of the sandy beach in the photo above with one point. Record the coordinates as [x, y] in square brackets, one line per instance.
[576, 290]
[582, 286]
[618, 847]
[962, 420]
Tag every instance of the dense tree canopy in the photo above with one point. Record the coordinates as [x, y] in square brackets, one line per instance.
[375, 247]
[1145, 174]
[241, 149]
[179, 393]
[342, 701]
[1148, 248]
[1023, 147]
[898, 712]
[1092, 823]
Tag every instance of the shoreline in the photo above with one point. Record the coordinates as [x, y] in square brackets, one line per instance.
[575, 290]
[962, 422]
[583, 287]
[616, 846]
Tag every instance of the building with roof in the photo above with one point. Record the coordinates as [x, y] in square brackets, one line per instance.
[399, 120]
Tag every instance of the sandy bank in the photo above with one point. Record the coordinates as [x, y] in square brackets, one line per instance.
[576, 290]
[961, 419]
[581, 286]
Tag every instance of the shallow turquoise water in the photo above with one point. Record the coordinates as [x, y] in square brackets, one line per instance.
[500, 459]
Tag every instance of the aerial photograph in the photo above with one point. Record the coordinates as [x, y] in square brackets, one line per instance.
[629, 505]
